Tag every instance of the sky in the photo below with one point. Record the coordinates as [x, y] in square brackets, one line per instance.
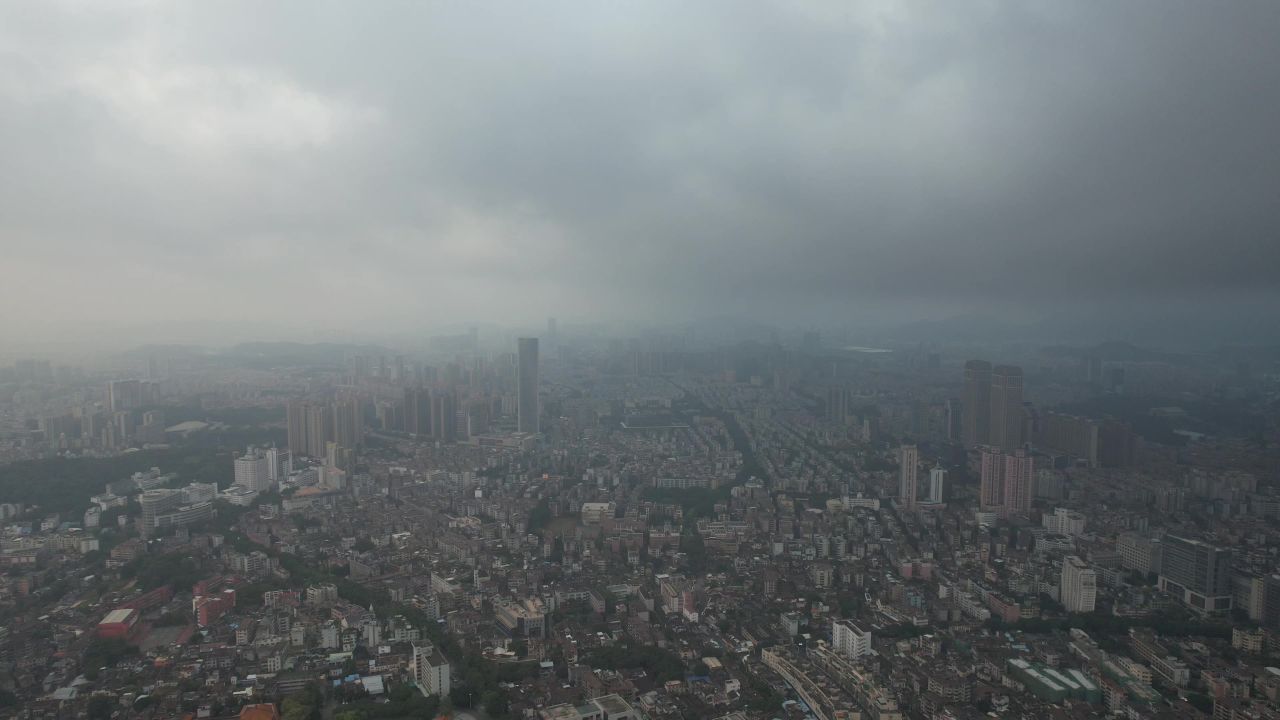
[306, 170]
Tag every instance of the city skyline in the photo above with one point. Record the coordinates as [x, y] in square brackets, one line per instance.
[639, 360]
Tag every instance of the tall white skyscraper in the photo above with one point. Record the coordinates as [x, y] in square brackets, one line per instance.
[1078, 587]
[937, 484]
[527, 385]
[908, 470]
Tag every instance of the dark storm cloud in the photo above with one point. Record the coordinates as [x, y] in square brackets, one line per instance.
[389, 166]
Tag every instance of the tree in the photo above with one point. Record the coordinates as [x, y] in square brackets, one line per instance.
[695, 550]
[99, 708]
[495, 703]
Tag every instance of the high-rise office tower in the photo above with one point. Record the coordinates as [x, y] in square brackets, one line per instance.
[991, 490]
[977, 402]
[1197, 573]
[1006, 407]
[527, 385]
[955, 420]
[1019, 479]
[1078, 586]
[937, 484]
[908, 471]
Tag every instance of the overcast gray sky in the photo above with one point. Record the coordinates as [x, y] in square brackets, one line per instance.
[238, 168]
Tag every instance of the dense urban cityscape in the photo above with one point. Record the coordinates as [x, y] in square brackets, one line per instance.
[573, 526]
[639, 360]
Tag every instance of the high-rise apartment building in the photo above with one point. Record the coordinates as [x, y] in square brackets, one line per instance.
[1007, 481]
[1197, 573]
[977, 403]
[850, 640]
[417, 411]
[430, 669]
[313, 425]
[991, 489]
[1019, 482]
[1078, 587]
[319, 429]
[1075, 436]
[253, 471]
[296, 421]
[444, 417]
[279, 464]
[908, 472]
[527, 385]
[348, 423]
[124, 395]
[1006, 408]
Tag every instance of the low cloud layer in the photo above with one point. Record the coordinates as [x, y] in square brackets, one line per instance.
[309, 168]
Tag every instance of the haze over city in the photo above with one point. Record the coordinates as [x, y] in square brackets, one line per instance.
[720, 360]
[216, 172]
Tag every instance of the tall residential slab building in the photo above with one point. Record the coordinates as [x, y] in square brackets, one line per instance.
[976, 403]
[1007, 481]
[527, 385]
[313, 425]
[1006, 407]
[1078, 587]
[991, 490]
[908, 472]
[1019, 482]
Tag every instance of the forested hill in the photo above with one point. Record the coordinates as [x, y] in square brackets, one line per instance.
[65, 484]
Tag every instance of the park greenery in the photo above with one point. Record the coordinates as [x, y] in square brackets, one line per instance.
[65, 484]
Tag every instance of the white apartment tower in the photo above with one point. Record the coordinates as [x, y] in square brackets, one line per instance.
[850, 640]
[1079, 585]
[937, 484]
[251, 471]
